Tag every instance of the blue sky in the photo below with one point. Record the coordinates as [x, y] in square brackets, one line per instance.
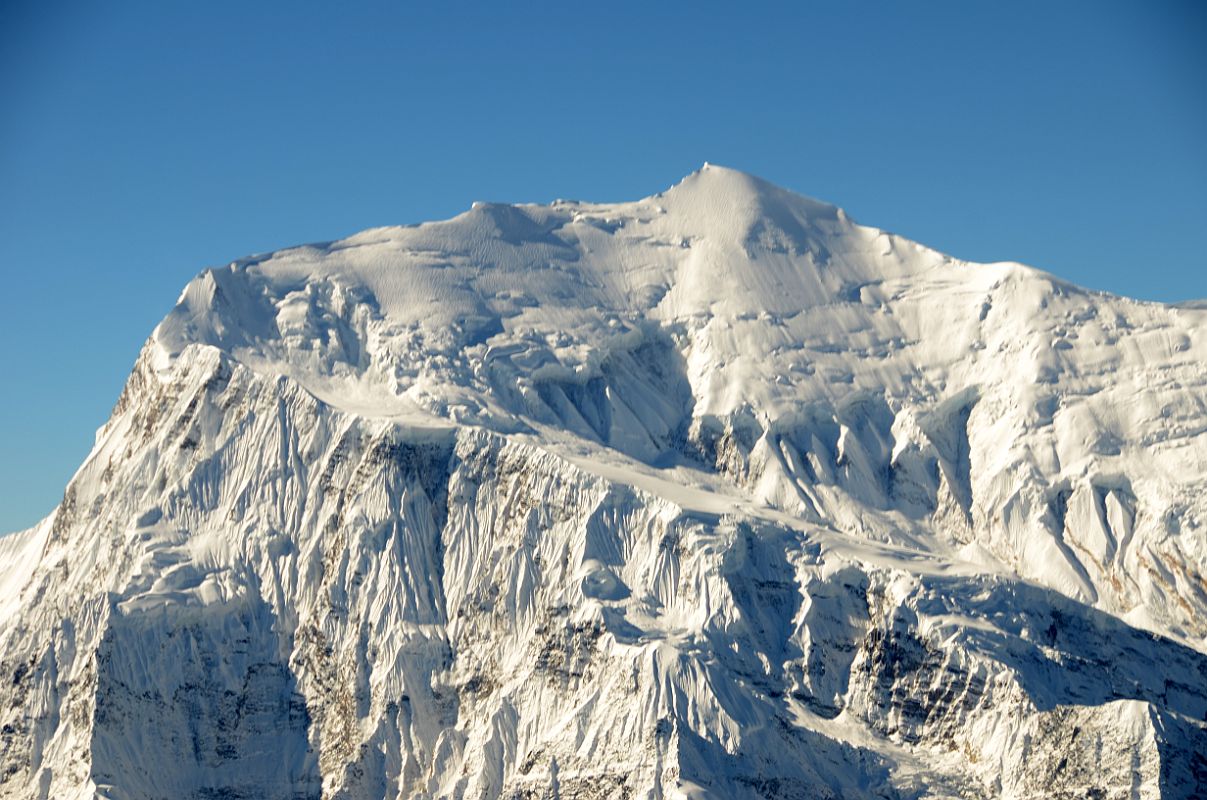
[141, 142]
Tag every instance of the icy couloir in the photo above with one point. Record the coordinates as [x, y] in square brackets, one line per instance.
[716, 494]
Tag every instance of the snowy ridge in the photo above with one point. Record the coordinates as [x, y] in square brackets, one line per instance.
[714, 494]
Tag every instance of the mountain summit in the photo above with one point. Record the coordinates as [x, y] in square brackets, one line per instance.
[713, 494]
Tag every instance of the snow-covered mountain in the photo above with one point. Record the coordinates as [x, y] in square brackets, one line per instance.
[717, 494]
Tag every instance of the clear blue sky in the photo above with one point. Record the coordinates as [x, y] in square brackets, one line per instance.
[141, 142]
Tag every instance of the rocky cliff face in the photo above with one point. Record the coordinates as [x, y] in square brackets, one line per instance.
[716, 494]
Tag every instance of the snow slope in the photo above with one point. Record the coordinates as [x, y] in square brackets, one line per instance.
[714, 494]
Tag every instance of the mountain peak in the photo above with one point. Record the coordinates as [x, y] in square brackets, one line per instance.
[719, 245]
[714, 188]
[715, 488]
[719, 251]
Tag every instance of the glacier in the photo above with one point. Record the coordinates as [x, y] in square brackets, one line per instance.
[716, 494]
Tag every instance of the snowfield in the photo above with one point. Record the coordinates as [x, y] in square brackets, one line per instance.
[717, 494]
